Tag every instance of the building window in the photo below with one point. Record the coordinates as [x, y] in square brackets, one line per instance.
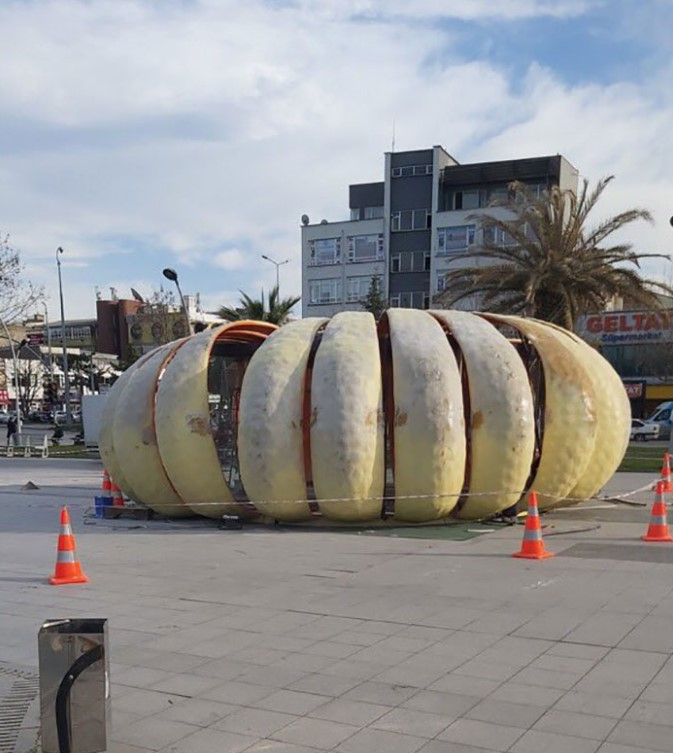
[441, 284]
[455, 240]
[365, 247]
[394, 301]
[426, 261]
[324, 251]
[324, 291]
[411, 219]
[408, 170]
[357, 288]
[355, 214]
[77, 333]
[466, 199]
[395, 262]
[426, 300]
[495, 236]
[537, 190]
[499, 194]
[373, 213]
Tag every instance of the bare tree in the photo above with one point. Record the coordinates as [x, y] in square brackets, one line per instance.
[30, 381]
[18, 295]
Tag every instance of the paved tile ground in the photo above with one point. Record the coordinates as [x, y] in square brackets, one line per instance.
[297, 642]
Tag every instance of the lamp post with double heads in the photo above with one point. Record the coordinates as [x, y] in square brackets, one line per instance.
[66, 375]
[278, 265]
[172, 275]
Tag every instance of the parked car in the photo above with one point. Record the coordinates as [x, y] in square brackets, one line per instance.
[4, 417]
[662, 417]
[641, 431]
[39, 417]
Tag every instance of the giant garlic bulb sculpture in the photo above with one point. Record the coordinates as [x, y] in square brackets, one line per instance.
[428, 415]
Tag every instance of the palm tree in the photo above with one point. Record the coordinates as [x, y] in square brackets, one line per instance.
[552, 266]
[250, 308]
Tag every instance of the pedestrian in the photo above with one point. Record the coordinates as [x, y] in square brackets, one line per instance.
[57, 435]
[11, 428]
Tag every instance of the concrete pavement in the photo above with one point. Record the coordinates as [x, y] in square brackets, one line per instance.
[300, 641]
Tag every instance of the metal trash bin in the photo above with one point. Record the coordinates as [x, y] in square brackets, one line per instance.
[74, 685]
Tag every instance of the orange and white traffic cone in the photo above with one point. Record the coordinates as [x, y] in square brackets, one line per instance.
[666, 473]
[68, 569]
[117, 498]
[106, 486]
[658, 528]
[532, 547]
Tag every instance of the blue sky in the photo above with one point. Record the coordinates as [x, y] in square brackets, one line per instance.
[195, 133]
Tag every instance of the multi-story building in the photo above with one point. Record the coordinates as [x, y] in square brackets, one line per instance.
[412, 228]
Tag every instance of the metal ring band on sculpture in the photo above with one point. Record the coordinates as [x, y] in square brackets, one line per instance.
[429, 415]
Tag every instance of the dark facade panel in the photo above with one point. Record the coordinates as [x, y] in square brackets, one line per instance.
[409, 282]
[413, 300]
[365, 195]
[417, 157]
[541, 169]
[411, 193]
[413, 240]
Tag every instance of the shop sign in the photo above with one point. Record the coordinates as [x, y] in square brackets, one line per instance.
[626, 327]
[634, 390]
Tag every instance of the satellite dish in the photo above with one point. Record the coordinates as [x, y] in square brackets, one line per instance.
[323, 222]
[137, 295]
[304, 219]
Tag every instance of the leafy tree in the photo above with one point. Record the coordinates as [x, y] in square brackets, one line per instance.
[17, 294]
[545, 262]
[277, 312]
[374, 302]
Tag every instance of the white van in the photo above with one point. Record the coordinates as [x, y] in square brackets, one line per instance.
[662, 417]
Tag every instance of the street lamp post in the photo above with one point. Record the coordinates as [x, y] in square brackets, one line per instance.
[172, 275]
[278, 265]
[66, 375]
[51, 360]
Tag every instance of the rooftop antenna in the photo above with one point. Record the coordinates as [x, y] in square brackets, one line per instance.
[393, 144]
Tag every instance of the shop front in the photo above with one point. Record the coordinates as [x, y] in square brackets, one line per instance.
[639, 344]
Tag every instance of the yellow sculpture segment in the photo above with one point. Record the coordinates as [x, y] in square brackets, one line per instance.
[271, 435]
[570, 411]
[182, 418]
[612, 436]
[347, 430]
[425, 416]
[428, 422]
[106, 443]
[136, 441]
[502, 428]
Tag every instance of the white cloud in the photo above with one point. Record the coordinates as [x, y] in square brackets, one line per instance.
[231, 259]
[195, 134]
[460, 9]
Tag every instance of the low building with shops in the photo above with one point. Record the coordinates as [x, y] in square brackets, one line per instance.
[639, 345]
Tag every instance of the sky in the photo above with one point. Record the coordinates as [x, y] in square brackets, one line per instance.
[140, 134]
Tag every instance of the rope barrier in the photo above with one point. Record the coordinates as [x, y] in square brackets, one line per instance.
[436, 496]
